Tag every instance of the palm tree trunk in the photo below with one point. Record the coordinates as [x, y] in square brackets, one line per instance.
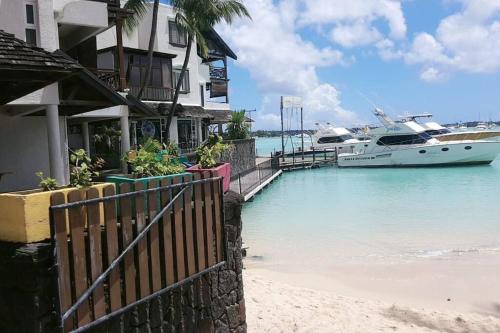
[178, 84]
[152, 37]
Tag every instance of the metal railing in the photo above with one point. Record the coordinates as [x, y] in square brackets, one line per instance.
[244, 182]
[109, 76]
[153, 93]
[120, 250]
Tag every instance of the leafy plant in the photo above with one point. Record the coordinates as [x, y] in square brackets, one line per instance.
[238, 128]
[82, 169]
[208, 153]
[107, 135]
[47, 183]
[146, 163]
[172, 149]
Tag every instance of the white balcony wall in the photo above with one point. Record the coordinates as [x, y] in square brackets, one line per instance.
[24, 147]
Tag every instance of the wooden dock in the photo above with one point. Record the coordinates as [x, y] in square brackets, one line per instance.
[309, 160]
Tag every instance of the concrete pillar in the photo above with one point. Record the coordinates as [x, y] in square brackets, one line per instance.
[125, 138]
[86, 137]
[54, 136]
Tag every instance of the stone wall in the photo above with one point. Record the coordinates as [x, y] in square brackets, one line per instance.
[241, 155]
[26, 288]
[211, 303]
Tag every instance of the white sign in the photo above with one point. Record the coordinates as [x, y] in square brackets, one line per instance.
[291, 102]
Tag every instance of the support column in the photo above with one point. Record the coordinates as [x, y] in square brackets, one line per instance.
[125, 137]
[86, 137]
[219, 128]
[54, 137]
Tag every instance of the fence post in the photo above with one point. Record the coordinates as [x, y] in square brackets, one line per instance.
[314, 155]
[258, 168]
[239, 181]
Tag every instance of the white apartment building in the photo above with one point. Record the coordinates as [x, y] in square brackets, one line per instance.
[205, 87]
[33, 128]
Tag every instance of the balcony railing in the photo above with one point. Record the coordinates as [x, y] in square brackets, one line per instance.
[218, 73]
[153, 93]
[109, 76]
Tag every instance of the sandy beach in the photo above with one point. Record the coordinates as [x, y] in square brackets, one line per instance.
[276, 302]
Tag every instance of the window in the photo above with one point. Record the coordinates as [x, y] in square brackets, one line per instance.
[445, 149]
[185, 81]
[422, 152]
[438, 132]
[468, 147]
[177, 35]
[334, 139]
[411, 139]
[30, 24]
[136, 65]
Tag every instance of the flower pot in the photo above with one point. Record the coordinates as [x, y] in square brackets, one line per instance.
[24, 215]
[220, 170]
[133, 180]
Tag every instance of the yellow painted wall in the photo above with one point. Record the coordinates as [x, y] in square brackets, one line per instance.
[24, 216]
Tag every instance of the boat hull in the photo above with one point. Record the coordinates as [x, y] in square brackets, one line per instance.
[443, 154]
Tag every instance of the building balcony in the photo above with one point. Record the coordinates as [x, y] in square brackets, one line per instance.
[160, 94]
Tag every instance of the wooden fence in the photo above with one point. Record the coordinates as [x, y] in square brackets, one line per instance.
[116, 251]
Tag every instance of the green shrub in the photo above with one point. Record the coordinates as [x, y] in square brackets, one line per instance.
[146, 163]
[208, 153]
[82, 169]
[238, 128]
[47, 183]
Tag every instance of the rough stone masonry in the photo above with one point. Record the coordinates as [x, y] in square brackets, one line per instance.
[212, 303]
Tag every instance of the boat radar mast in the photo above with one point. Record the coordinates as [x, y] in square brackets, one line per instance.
[414, 117]
[384, 119]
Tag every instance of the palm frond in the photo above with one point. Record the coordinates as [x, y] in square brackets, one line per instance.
[139, 7]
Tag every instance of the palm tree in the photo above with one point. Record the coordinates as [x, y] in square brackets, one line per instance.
[197, 17]
[139, 8]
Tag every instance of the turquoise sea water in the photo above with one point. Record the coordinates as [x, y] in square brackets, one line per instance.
[266, 146]
[316, 218]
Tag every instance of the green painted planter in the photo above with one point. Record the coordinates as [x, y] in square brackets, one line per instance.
[129, 179]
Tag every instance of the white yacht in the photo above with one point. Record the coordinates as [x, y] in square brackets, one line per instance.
[407, 144]
[331, 138]
[444, 134]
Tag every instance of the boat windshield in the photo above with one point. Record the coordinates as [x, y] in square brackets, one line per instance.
[335, 139]
[409, 139]
[438, 132]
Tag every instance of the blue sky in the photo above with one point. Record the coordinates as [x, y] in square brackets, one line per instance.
[438, 56]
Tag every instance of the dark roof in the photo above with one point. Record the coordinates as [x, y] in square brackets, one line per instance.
[220, 43]
[85, 92]
[139, 106]
[223, 116]
[25, 68]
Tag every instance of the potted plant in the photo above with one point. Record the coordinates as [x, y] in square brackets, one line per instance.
[25, 214]
[148, 164]
[207, 160]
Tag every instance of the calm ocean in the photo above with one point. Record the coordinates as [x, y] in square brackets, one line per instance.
[314, 218]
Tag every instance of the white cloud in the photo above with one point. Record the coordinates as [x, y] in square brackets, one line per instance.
[359, 33]
[431, 74]
[354, 20]
[467, 41]
[281, 62]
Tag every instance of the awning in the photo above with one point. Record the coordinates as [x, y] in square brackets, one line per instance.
[85, 92]
[25, 69]
[192, 111]
[223, 116]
